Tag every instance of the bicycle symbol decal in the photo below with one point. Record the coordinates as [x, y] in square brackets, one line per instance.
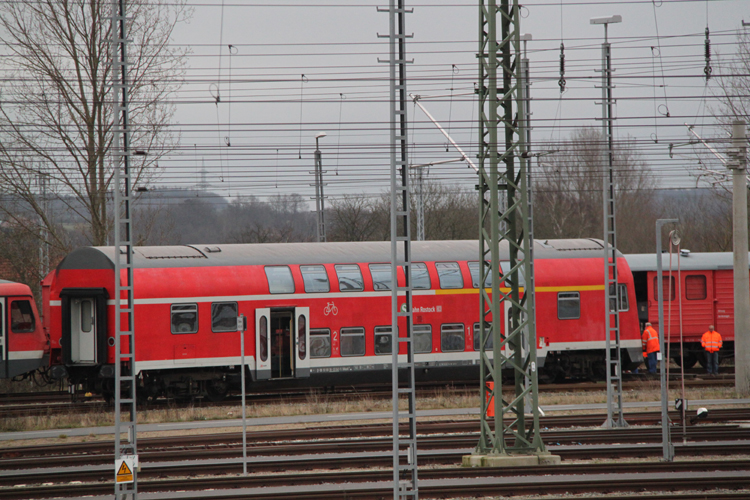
[331, 308]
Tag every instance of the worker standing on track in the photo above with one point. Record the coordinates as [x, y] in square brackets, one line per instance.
[650, 343]
[711, 342]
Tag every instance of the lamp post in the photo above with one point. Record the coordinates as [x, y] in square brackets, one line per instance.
[319, 204]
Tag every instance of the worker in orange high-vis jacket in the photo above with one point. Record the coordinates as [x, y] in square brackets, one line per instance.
[650, 343]
[711, 342]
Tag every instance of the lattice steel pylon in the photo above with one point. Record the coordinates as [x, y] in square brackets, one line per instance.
[405, 483]
[501, 107]
[125, 373]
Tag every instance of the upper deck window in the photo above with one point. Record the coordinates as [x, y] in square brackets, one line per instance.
[449, 274]
[420, 277]
[315, 278]
[381, 276]
[280, 279]
[568, 305]
[695, 287]
[21, 317]
[474, 270]
[350, 278]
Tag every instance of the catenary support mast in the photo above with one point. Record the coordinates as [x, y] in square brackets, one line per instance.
[125, 372]
[501, 109]
[405, 483]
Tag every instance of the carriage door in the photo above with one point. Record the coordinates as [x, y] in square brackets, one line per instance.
[262, 341]
[82, 330]
[301, 342]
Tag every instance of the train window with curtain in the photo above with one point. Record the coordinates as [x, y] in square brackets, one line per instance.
[695, 287]
[383, 340]
[320, 343]
[568, 305]
[422, 338]
[350, 278]
[280, 279]
[449, 274]
[452, 338]
[381, 276]
[224, 317]
[474, 270]
[315, 278]
[21, 317]
[352, 341]
[666, 283]
[184, 318]
[488, 344]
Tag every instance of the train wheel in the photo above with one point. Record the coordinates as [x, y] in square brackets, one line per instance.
[216, 390]
[690, 360]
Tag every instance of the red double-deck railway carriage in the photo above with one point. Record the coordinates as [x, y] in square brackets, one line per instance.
[319, 313]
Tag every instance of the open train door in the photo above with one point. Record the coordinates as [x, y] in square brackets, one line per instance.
[262, 359]
[301, 341]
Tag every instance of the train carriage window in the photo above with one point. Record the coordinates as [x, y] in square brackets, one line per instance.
[224, 317]
[320, 343]
[353, 341]
[474, 270]
[667, 283]
[301, 329]
[315, 278]
[381, 276]
[263, 334]
[568, 305]
[420, 277]
[623, 297]
[280, 279]
[21, 317]
[452, 338]
[695, 287]
[449, 274]
[350, 278]
[422, 338]
[184, 318]
[383, 340]
[488, 344]
[505, 269]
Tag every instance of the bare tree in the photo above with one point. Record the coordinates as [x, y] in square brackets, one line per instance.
[56, 114]
[568, 192]
[352, 218]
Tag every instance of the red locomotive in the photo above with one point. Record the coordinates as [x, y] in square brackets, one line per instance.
[319, 314]
[23, 343]
[706, 290]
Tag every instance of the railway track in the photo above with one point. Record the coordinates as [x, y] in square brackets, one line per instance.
[53, 403]
[201, 468]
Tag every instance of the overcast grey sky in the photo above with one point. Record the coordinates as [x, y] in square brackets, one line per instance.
[270, 114]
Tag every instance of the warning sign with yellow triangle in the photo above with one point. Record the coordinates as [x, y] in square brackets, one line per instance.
[124, 468]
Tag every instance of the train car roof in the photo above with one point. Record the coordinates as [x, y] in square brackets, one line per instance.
[312, 253]
[13, 288]
[694, 261]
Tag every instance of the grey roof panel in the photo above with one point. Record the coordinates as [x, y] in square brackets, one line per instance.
[692, 262]
[314, 253]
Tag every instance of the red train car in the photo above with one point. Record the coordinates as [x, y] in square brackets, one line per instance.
[23, 343]
[319, 313]
[706, 290]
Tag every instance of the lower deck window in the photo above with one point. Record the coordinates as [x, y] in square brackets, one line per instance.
[452, 338]
[224, 317]
[568, 305]
[184, 318]
[353, 341]
[422, 338]
[488, 344]
[320, 343]
[383, 340]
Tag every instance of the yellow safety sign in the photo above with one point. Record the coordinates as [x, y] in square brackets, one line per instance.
[124, 471]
